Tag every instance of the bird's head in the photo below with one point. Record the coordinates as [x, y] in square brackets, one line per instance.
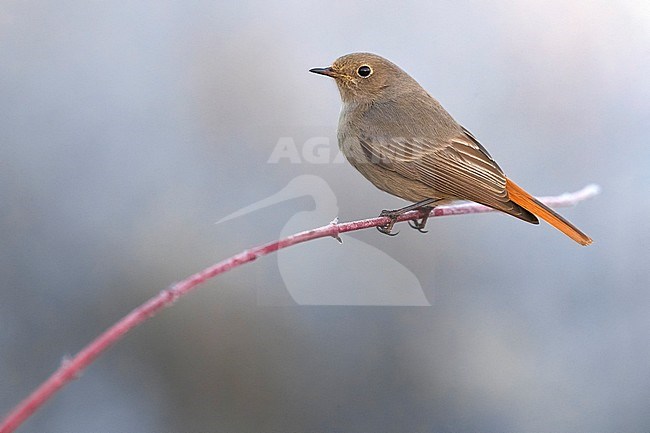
[365, 77]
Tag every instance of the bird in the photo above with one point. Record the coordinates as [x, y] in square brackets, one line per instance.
[402, 140]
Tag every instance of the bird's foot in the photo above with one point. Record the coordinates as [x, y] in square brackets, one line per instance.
[422, 206]
[387, 228]
[419, 225]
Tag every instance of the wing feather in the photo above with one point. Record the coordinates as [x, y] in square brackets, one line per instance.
[459, 168]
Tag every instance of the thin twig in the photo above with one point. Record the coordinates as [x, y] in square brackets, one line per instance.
[72, 368]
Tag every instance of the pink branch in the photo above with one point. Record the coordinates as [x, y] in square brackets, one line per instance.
[72, 368]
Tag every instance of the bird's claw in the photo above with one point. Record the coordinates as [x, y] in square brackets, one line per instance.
[422, 222]
[394, 214]
[418, 226]
[388, 228]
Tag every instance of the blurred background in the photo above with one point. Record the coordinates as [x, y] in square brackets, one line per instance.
[128, 129]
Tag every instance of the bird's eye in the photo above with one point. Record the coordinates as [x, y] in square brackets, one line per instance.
[364, 71]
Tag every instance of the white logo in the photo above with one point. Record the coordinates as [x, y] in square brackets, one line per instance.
[324, 272]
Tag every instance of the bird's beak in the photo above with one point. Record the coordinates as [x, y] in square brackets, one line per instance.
[324, 71]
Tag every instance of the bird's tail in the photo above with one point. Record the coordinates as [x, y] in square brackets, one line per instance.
[531, 204]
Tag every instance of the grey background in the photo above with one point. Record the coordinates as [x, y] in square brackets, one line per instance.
[128, 128]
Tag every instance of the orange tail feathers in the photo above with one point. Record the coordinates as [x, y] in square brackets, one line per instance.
[531, 204]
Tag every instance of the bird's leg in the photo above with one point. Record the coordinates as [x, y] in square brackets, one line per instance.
[394, 214]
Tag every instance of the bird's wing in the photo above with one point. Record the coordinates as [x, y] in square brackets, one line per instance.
[458, 168]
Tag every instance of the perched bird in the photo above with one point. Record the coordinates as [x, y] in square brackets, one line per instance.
[403, 141]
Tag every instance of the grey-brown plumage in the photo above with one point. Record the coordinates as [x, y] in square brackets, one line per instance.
[402, 140]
